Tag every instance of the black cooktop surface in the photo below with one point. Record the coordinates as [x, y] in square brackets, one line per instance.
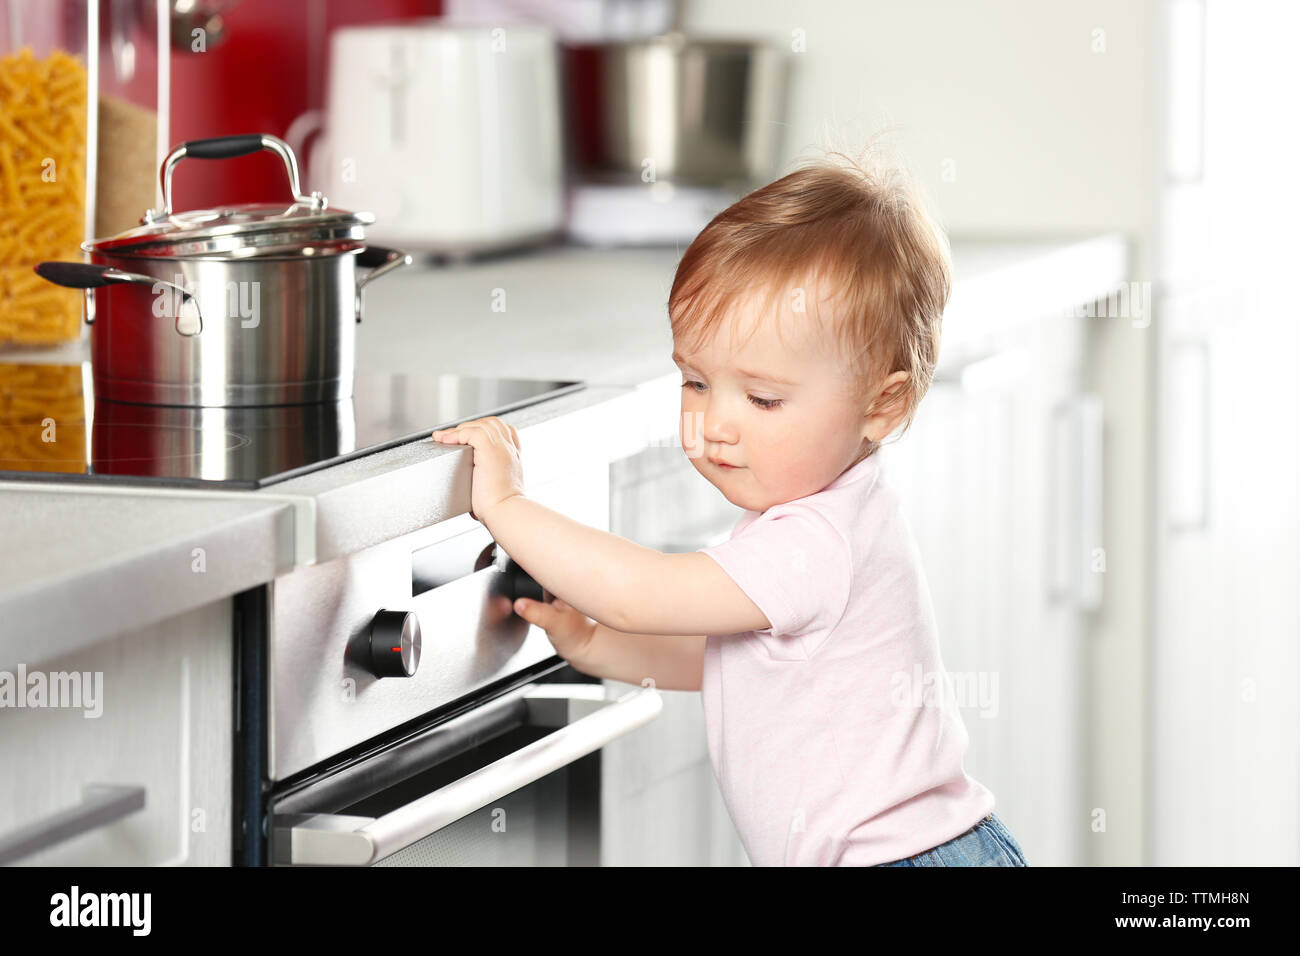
[53, 429]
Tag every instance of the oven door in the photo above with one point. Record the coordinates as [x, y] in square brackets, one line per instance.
[513, 781]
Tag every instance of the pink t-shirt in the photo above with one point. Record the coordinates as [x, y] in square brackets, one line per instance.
[834, 733]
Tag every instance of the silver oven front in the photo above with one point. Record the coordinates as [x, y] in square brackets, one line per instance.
[409, 720]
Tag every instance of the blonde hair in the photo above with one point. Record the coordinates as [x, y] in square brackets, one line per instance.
[856, 227]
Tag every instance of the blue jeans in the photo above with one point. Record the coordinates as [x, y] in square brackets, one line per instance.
[987, 843]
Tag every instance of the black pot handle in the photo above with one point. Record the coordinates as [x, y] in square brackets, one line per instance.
[223, 147]
[372, 257]
[77, 275]
[82, 275]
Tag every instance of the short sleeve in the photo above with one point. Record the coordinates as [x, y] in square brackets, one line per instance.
[794, 565]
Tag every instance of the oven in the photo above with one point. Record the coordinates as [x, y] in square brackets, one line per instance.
[392, 710]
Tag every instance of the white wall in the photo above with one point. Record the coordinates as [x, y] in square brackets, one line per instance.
[1044, 135]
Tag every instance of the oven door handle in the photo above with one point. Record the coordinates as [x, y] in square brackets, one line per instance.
[329, 839]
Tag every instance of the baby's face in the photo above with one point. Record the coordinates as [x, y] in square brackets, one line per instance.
[779, 409]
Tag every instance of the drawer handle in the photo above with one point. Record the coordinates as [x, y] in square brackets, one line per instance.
[335, 839]
[101, 804]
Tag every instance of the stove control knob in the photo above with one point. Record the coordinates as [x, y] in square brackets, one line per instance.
[517, 583]
[394, 644]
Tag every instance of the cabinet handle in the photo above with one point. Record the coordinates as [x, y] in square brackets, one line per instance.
[1077, 471]
[1189, 438]
[1092, 478]
[101, 804]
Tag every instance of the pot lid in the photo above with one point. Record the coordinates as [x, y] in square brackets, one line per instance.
[251, 229]
[307, 226]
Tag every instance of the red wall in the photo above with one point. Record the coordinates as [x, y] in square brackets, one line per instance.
[268, 70]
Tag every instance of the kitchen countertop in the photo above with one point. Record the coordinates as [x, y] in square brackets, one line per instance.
[79, 567]
[599, 316]
[607, 322]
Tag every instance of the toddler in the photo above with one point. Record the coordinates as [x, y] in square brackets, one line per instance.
[806, 323]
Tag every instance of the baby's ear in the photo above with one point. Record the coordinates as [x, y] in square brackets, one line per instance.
[888, 407]
[890, 393]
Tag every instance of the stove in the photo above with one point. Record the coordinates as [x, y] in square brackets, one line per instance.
[389, 708]
[52, 428]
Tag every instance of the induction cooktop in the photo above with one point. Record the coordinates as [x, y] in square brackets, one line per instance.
[52, 428]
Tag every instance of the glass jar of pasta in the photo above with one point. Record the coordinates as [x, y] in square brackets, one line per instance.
[82, 129]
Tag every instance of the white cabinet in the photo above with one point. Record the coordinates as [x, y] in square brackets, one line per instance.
[160, 723]
[1225, 766]
[998, 480]
[1227, 543]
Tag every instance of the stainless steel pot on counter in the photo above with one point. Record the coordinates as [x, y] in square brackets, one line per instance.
[703, 111]
[254, 304]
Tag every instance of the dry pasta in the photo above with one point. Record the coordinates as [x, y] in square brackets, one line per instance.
[42, 418]
[42, 192]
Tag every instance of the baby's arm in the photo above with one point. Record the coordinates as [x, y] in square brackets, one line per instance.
[672, 661]
[636, 590]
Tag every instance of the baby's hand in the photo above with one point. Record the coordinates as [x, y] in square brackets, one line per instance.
[569, 630]
[498, 470]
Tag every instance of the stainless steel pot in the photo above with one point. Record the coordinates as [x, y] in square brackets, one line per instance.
[703, 112]
[263, 299]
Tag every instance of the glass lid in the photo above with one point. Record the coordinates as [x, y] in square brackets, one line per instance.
[238, 231]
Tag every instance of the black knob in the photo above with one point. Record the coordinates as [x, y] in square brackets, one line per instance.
[518, 583]
[394, 644]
